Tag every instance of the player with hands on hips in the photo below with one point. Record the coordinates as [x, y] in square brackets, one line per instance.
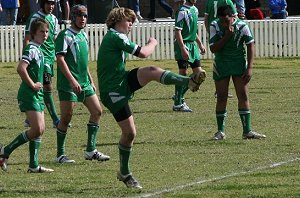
[30, 98]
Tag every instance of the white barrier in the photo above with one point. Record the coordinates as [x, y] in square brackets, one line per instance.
[274, 38]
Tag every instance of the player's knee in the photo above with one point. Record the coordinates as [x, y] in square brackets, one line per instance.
[96, 114]
[130, 136]
[66, 119]
[222, 98]
[37, 131]
[152, 68]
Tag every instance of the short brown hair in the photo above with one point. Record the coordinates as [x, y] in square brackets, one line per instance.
[118, 14]
[36, 24]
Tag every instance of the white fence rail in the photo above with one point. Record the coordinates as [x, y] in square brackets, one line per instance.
[274, 38]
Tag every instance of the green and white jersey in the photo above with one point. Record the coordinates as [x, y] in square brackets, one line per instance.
[234, 48]
[211, 8]
[33, 55]
[73, 45]
[187, 22]
[48, 46]
[111, 62]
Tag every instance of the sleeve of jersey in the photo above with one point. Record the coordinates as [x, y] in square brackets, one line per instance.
[180, 20]
[28, 55]
[247, 34]
[56, 26]
[213, 36]
[128, 46]
[61, 44]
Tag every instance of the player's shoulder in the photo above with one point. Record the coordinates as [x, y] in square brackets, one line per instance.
[241, 23]
[64, 32]
[215, 22]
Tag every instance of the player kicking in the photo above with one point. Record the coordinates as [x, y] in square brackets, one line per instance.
[117, 85]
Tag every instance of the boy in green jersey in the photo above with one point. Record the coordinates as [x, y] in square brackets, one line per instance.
[30, 98]
[75, 84]
[117, 85]
[211, 14]
[48, 49]
[228, 35]
[188, 48]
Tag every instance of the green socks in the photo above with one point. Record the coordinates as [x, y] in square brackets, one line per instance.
[18, 141]
[170, 78]
[179, 94]
[34, 148]
[124, 153]
[245, 116]
[61, 138]
[48, 99]
[92, 134]
[221, 115]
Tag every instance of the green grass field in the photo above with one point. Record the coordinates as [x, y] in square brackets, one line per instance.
[173, 155]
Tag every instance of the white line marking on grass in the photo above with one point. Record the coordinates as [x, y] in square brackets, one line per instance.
[166, 190]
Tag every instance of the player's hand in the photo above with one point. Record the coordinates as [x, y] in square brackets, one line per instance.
[247, 75]
[93, 85]
[152, 41]
[202, 49]
[185, 54]
[76, 87]
[229, 32]
[37, 86]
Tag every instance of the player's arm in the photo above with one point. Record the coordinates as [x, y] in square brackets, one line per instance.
[218, 45]
[148, 49]
[91, 79]
[200, 45]
[206, 22]
[61, 63]
[250, 58]
[22, 71]
[179, 40]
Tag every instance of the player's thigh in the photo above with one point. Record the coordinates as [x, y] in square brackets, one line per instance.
[222, 86]
[149, 73]
[37, 123]
[241, 88]
[93, 105]
[66, 110]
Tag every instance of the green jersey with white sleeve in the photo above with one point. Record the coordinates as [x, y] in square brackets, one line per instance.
[73, 45]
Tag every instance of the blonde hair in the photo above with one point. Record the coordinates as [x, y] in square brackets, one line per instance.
[118, 14]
